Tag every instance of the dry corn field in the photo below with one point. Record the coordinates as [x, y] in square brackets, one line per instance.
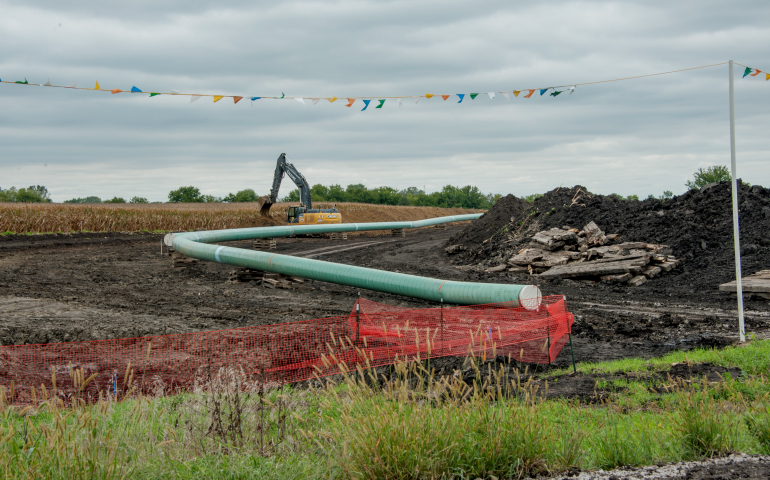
[65, 218]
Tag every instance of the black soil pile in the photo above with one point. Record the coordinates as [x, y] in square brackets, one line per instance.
[494, 221]
[696, 225]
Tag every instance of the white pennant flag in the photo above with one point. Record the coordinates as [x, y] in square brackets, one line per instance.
[48, 83]
[300, 100]
[400, 102]
[175, 92]
[571, 89]
[507, 97]
[194, 98]
[315, 100]
[74, 85]
[491, 95]
[416, 99]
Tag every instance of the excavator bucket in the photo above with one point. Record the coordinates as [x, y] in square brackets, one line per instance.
[264, 205]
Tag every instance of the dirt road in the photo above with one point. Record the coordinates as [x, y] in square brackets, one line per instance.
[57, 288]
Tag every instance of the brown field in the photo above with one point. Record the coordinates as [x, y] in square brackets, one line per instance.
[65, 218]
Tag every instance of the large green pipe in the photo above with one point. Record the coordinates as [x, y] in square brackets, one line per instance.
[194, 244]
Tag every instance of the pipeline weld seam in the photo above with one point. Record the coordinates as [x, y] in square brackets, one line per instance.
[216, 254]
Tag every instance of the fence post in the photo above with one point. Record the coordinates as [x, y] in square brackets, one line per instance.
[442, 326]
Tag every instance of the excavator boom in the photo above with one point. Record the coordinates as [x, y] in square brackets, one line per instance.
[283, 167]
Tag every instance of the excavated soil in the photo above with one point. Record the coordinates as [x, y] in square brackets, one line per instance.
[58, 288]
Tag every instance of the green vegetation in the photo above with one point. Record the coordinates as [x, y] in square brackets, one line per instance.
[716, 173]
[138, 200]
[31, 194]
[84, 200]
[247, 195]
[448, 197]
[115, 200]
[413, 425]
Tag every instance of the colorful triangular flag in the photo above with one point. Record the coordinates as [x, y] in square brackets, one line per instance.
[491, 95]
[237, 99]
[97, 86]
[767, 76]
[300, 100]
[461, 95]
[746, 72]
[134, 89]
[116, 90]
[366, 105]
[155, 94]
[507, 96]
[48, 83]
[194, 98]
[283, 94]
[175, 92]
[756, 73]
[530, 93]
[542, 91]
[25, 82]
[416, 99]
[428, 95]
[571, 89]
[445, 97]
[516, 93]
[217, 98]
[474, 95]
[331, 100]
[350, 102]
[315, 100]
[555, 93]
[381, 103]
[255, 98]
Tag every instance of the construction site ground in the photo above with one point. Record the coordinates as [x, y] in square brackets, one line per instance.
[70, 287]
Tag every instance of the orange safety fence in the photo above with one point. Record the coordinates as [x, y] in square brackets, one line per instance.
[372, 335]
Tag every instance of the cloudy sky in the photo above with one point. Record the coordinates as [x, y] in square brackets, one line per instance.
[633, 137]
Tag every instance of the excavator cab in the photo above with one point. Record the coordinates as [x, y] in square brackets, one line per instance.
[295, 214]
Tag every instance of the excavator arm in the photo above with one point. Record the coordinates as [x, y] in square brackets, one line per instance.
[283, 167]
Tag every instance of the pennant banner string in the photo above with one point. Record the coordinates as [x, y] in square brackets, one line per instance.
[555, 90]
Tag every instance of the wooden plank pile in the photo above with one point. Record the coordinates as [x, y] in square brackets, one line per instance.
[267, 279]
[398, 232]
[338, 236]
[264, 244]
[590, 255]
[757, 285]
[179, 260]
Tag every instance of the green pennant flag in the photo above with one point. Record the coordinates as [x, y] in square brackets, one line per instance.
[25, 82]
[555, 92]
[473, 96]
[153, 94]
[745, 72]
[381, 102]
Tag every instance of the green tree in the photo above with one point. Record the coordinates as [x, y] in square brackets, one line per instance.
[293, 196]
[185, 195]
[715, 173]
[115, 200]
[85, 200]
[247, 195]
[32, 194]
[138, 200]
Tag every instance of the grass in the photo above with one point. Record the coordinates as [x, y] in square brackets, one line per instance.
[413, 425]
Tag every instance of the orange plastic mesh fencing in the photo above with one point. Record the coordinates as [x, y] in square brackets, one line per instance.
[372, 335]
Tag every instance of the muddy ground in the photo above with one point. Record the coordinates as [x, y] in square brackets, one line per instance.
[58, 288]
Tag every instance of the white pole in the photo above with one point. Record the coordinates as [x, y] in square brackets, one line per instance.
[736, 229]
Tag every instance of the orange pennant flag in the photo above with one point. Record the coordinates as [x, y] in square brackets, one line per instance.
[237, 99]
[97, 87]
[217, 98]
[117, 90]
[516, 93]
[428, 95]
[350, 102]
[530, 93]
[331, 100]
[445, 97]
[753, 74]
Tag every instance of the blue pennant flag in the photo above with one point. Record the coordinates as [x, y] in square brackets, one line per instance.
[134, 89]
[542, 91]
[461, 95]
[366, 102]
[255, 98]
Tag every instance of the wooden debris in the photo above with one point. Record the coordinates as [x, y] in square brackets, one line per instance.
[498, 268]
[264, 244]
[758, 283]
[441, 226]
[518, 269]
[586, 269]
[338, 236]
[179, 260]
[398, 232]
[527, 256]
[267, 279]
[637, 280]
[651, 271]
[617, 278]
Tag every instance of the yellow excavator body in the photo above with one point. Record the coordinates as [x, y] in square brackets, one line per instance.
[316, 216]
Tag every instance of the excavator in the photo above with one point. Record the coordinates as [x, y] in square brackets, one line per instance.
[304, 213]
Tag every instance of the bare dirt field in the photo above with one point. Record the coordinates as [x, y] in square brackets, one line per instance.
[68, 287]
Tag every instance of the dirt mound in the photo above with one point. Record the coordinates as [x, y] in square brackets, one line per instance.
[493, 221]
[696, 225]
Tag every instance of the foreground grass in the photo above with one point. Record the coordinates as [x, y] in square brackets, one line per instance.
[414, 426]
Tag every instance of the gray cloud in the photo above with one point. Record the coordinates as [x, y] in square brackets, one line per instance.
[634, 137]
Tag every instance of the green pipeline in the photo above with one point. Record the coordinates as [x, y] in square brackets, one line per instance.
[195, 244]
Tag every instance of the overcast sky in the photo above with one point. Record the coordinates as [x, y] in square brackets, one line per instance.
[633, 137]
